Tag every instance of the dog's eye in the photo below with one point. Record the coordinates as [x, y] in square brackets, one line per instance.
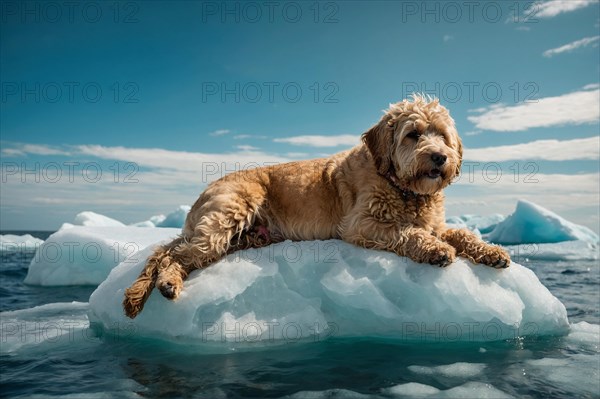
[414, 135]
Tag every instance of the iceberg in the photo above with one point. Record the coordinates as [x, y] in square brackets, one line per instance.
[484, 224]
[173, 219]
[531, 223]
[84, 255]
[559, 251]
[10, 242]
[44, 328]
[294, 291]
[152, 222]
[455, 222]
[460, 369]
[88, 218]
[472, 389]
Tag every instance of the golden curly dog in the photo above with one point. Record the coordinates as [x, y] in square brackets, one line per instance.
[383, 194]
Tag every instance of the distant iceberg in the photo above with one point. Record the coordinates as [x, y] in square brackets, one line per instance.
[95, 219]
[565, 251]
[531, 223]
[478, 224]
[84, 255]
[295, 291]
[173, 219]
[10, 242]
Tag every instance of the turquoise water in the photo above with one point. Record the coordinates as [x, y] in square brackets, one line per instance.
[83, 363]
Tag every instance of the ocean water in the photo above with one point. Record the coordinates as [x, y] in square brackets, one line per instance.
[53, 352]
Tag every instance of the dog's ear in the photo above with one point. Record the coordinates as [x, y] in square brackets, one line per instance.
[379, 141]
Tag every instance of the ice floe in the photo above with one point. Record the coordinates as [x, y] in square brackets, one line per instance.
[310, 290]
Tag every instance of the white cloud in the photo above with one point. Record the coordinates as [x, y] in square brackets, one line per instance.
[321, 141]
[35, 149]
[447, 38]
[181, 160]
[219, 132]
[12, 152]
[472, 133]
[571, 46]
[245, 147]
[552, 8]
[591, 86]
[549, 150]
[573, 108]
[162, 180]
[249, 136]
[297, 155]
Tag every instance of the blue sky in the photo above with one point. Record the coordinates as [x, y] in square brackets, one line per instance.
[129, 109]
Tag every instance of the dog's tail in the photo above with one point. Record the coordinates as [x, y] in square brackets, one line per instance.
[139, 292]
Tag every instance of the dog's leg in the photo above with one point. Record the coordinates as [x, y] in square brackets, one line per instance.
[138, 293]
[470, 246]
[170, 279]
[414, 243]
[225, 218]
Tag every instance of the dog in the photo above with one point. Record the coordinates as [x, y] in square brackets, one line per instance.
[386, 194]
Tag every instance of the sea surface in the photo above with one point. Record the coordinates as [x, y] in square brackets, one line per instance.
[84, 364]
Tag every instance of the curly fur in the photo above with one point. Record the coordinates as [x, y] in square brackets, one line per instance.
[383, 194]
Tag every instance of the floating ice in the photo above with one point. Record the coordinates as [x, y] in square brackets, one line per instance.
[152, 222]
[411, 390]
[585, 334]
[531, 223]
[53, 324]
[94, 219]
[468, 390]
[82, 255]
[577, 373]
[312, 290]
[455, 222]
[461, 369]
[173, 219]
[566, 250]
[329, 394]
[10, 242]
[484, 224]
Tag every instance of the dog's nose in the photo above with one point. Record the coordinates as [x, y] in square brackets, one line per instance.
[438, 158]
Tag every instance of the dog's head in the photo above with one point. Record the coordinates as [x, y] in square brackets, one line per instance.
[416, 141]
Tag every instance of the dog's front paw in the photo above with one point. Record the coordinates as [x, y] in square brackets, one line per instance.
[495, 256]
[169, 285]
[439, 255]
